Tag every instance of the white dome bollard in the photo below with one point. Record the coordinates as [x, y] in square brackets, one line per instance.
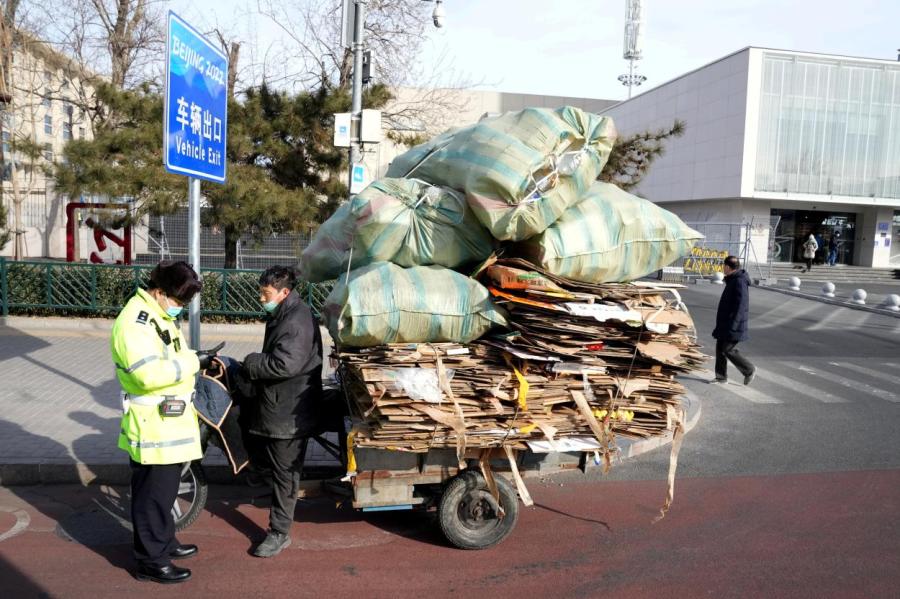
[892, 302]
[718, 278]
[859, 297]
[828, 289]
[794, 283]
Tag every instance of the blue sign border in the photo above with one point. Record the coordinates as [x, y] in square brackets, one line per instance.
[177, 169]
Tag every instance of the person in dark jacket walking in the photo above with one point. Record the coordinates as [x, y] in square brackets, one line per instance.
[732, 320]
[286, 379]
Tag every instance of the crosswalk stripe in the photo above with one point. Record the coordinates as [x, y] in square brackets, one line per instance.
[749, 394]
[895, 380]
[850, 384]
[798, 387]
[763, 322]
[826, 321]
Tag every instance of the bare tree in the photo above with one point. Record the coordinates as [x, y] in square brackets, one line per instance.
[133, 33]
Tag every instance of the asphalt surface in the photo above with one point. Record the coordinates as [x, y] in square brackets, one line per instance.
[787, 488]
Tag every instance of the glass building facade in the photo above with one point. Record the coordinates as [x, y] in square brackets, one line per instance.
[829, 126]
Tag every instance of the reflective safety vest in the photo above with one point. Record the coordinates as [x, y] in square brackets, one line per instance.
[153, 362]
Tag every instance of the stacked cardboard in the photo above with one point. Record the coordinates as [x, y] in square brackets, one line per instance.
[581, 363]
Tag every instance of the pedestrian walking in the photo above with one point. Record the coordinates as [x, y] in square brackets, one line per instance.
[159, 428]
[732, 321]
[284, 405]
[832, 250]
[810, 246]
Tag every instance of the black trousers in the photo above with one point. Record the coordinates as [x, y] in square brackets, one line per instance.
[725, 351]
[283, 457]
[154, 488]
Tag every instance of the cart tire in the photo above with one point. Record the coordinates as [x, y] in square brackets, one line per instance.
[193, 491]
[466, 516]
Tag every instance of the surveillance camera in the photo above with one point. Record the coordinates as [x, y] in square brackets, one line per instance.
[439, 14]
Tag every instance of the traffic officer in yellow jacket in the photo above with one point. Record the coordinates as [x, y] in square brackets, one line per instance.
[160, 432]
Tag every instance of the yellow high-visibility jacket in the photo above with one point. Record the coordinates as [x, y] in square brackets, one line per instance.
[153, 361]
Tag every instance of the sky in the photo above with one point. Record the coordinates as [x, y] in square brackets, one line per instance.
[573, 48]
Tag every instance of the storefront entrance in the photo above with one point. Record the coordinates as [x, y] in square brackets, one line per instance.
[793, 227]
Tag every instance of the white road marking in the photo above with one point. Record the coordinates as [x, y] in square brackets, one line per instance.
[794, 311]
[798, 387]
[875, 374]
[825, 322]
[749, 394]
[850, 383]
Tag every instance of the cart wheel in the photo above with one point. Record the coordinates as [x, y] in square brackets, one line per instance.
[192, 493]
[467, 517]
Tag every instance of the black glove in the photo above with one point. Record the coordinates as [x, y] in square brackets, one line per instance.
[206, 355]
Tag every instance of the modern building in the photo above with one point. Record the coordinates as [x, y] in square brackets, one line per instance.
[793, 143]
[43, 109]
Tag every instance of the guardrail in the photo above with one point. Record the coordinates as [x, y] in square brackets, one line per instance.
[73, 288]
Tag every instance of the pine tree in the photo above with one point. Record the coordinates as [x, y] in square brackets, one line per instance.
[631, 156]
[283, 172]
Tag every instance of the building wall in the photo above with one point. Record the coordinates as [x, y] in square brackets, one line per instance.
[46, 92]
[706, 162]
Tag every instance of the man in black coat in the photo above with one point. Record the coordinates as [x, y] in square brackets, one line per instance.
[732, 320]
[286, 379]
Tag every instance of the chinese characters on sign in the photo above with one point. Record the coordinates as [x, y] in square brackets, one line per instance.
[196, 104]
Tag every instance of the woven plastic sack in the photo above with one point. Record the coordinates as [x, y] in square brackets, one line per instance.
[610, 236]
[520, 171]
[405, 221]
[384, 303]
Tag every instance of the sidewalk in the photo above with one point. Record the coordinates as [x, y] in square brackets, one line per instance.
[60, 409]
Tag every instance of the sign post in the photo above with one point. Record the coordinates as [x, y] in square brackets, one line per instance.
[195, 126]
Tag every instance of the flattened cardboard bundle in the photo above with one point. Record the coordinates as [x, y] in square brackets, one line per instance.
[581, 364]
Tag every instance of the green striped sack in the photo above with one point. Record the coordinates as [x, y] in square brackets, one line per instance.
[405, 221]
[384, 303]
[610, 236]
[520, 171]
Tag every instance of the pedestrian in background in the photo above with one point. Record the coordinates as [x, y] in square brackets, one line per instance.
[809, 251]
[284, 408]
[159, 428]
[732, 321]
[832, 250]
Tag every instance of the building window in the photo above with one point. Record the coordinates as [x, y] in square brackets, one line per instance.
[45, 102]
[67, 130]
[65, 83]
[48, 125]
[81, 133]
[48, 152]
[828, 127]
[6, 147]
[48, 77]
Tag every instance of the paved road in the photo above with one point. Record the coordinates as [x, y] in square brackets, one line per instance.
[788, 488]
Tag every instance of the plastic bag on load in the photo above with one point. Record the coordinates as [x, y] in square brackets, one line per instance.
[419, 384]
[610, 236]
[521, 170]
[404, 221]
[384, 303]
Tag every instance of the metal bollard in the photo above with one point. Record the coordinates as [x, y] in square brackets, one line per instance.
[718, 278]
[892, 302]
[794, 283]
[828, 289]
[859, 297]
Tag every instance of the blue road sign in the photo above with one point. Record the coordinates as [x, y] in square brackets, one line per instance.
[196, 108]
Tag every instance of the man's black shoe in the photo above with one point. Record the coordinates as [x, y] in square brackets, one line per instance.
[183, 551]
[170, 574]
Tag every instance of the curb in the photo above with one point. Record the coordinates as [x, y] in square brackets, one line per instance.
[68, 473]
[832, 301]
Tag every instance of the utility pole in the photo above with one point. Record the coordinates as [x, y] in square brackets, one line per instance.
[356, 105]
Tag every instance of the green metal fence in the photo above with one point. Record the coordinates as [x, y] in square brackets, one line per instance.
[55, 288]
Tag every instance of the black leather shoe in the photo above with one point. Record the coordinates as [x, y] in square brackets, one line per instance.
[183, 551]
[170, 574]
